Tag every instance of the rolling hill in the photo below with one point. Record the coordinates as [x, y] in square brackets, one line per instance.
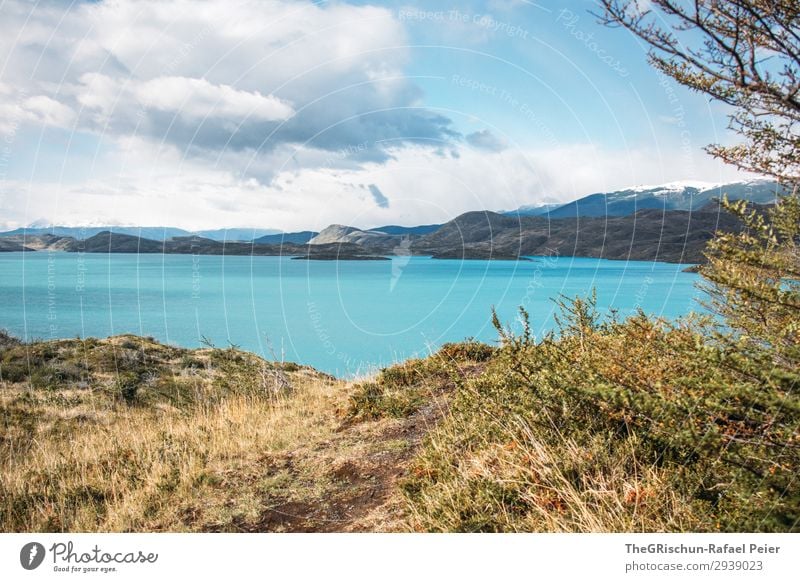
[299, 238]
[652, 235]
[148, 232]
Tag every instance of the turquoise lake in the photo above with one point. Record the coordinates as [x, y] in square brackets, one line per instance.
[346, 317]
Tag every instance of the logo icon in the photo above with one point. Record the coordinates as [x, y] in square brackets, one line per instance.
[402, 254]
[31, 555]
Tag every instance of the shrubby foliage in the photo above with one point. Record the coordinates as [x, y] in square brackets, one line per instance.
[637, 424]
[401, 390]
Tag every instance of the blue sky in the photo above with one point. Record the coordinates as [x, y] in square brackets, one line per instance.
[293, 114]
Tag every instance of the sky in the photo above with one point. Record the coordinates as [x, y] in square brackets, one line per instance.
[294, 115]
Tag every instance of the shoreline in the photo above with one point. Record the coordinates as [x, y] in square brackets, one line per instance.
[292, 256]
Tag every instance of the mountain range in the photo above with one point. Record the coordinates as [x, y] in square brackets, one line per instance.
[670, 223]
[149, 232]
[685, 195]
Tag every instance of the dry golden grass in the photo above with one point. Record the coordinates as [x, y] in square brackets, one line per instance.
[150, 470]
[517, 482]
[126, 434]
[77, 459]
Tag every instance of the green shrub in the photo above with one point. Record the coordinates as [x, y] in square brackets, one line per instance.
[668, 401]
[400, 390]
[7, 340]
[469, 350]
[371, 400]
[127, 385]
[57, 374]
[189, 362]
[14, 371]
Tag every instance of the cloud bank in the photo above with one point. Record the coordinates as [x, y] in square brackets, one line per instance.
[267, 114]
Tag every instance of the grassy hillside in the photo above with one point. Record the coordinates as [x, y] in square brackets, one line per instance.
[586, 431]
[126, 434]
[636, 425]
[610, 426]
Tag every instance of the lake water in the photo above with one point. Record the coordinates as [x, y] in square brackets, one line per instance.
[346, 317]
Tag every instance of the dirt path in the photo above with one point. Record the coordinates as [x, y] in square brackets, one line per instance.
[358, 490]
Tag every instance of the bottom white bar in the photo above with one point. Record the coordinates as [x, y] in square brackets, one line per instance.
[406, 557]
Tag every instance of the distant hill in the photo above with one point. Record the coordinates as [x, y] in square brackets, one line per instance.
[377, 241]
[235, 234]
[299, 238]
[10, 246]
[38, 242]
[148, 232]
[672, 196]
[676, 236]
[394, 229]
[112, 242]
[649, 234]
[338, 234]
[670, 222]
[81, 233]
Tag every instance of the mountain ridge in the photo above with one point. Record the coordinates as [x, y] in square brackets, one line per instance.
[680, 195]
[149, 232]
[635, 224]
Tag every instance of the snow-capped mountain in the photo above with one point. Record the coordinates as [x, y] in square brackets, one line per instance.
[535, 209]
[681, 195]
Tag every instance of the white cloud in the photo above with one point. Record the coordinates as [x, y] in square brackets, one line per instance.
[150, 186]
[40, 110]
[268, 114]
[221, 74]
[199, 99]
[486, 140]
[47, 111]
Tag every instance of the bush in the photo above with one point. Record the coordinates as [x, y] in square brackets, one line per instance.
[7, 340]
[467, 351]
[191, 363]
[400, 390]
[678, 420]
[289, 367]
[56, 374]
[707, 409]
[14, 371]
[127, 385]
[372, 400]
